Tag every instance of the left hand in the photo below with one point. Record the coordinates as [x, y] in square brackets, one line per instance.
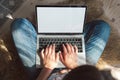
[69, 56]
[49, 57]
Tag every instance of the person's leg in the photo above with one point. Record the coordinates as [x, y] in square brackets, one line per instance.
[24, 36]
[96, 35]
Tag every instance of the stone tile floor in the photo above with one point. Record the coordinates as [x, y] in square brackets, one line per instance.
[108, 10]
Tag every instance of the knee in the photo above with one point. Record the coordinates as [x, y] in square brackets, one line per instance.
[18, 23]
[103, 25]
[103, 28]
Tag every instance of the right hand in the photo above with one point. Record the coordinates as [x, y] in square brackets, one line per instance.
[69, 56]
[49, 57]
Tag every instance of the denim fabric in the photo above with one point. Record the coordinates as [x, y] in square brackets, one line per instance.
[24, 35]
[96, 36]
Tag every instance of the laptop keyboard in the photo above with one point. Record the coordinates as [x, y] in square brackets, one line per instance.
[43, 42]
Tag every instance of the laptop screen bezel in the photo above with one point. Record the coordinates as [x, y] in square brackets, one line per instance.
[59, 6]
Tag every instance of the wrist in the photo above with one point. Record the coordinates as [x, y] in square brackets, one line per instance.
[44, 74]
[48, 67]
[72, 66]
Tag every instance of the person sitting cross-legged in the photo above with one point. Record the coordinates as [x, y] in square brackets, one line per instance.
[96, 34]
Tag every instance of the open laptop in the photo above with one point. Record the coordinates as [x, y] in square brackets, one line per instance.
[59, 25]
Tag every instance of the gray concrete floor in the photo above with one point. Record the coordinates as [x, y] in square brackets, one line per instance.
[108, 10]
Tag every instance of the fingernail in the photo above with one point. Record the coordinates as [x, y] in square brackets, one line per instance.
[75, 45]
[47, 45]
[59, 51]
[42, 50]
[66, 44]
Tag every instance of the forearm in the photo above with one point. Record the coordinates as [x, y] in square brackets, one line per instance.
[44, 74]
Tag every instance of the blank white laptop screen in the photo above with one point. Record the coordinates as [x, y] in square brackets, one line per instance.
[60, 19]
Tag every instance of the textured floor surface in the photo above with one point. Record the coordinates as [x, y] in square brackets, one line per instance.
[108, 10]
[7, 7]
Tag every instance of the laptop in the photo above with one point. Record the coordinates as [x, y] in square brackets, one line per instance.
[59, 25]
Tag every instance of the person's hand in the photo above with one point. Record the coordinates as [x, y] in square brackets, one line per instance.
[49, 57]
[69, 56]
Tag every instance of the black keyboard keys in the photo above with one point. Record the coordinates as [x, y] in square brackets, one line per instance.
[43, 42]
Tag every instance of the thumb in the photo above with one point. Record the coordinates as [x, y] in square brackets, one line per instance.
[61, 57]
[57, 55]
[42, 54]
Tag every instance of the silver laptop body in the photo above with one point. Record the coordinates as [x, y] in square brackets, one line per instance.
[61, 23]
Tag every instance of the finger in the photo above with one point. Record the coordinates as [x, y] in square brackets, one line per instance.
[53, 48]
[72, 49]
[75, 49]
[53, 54]
[64, 49]
[42, 54]
[68, 48]
[50, 50]
[46, 50]
[61, 57]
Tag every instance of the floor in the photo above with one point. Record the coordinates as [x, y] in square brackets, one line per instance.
[8, 7]
[108, 10]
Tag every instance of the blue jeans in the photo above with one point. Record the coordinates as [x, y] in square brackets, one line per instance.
[25, 38]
